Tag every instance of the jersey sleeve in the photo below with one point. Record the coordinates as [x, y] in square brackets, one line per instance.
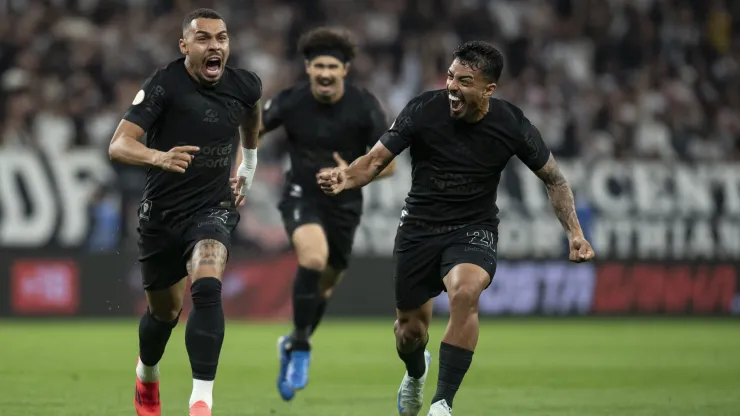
[150, 102]
[401, 133]
[531, 149]
[377, 121]
[272, 111]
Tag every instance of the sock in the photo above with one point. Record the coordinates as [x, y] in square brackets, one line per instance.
[320, 309]
[305, 299]
[414, 360]
[453, 364]
[153, 337]
[204, 333]
[202, 390]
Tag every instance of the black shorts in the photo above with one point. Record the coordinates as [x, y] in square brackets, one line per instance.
[423, 258]
[339, 224]
[164, 249]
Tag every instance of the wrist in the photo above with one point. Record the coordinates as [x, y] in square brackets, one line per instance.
[249, 158]
[154, 157]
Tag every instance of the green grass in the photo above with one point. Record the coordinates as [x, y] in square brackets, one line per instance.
[522, 368]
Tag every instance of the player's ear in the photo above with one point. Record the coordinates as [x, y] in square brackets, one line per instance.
[308, 66]
[490, 89]
[346, 69]
[183, 47]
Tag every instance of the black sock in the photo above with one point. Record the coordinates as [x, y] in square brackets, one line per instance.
[305, 299]
[153, 337]
[204, 333]
[414, 360]
[453, 364]
[320, 309]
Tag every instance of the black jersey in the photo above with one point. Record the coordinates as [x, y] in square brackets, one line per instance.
[316, 130]
[456, 166]
[176, 110]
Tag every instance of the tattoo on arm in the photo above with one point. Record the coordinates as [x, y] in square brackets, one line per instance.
[208, 253]
[561, 197]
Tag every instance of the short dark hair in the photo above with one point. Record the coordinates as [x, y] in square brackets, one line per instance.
[481, 56]
[324, 38]
[199, 14]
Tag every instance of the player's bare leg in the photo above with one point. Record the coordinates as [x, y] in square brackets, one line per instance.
[464, 283]
[329, 280]
[411, 330]
[204, 334]
[155, 328]
[294, 350]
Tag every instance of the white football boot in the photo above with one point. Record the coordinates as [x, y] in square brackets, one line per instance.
[440, 408]
[411, 393]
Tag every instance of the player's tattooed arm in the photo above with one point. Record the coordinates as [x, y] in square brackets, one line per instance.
[561, 197]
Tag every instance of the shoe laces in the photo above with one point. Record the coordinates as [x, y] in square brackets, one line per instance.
[410, 390]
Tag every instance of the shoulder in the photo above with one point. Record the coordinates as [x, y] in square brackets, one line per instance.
[428, 102]
[362, 98]
[248, 82]
[506, 112]
[286, 97]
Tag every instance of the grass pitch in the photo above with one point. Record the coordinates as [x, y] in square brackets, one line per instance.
[521, 367]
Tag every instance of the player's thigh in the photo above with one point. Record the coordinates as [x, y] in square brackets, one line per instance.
[163, 271]
[304, 228]
[416, 270]
[469, 263]
[208, 241]
[310, 245]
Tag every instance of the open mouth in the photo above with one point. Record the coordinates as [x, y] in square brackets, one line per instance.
[456, 103]
[213, 66]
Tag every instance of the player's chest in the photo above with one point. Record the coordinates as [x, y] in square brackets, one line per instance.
[476, 148]
[209, 114]
[325, 129]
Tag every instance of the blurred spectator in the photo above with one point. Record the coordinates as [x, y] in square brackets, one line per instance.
[653, 79]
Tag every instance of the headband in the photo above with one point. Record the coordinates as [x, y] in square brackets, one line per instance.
[333, 52]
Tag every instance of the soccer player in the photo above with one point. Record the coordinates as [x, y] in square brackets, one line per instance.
[460, 139]
[327, 121]
[191, 112]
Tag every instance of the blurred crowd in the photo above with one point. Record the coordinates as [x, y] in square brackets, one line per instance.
[648, 79]
[601, 78]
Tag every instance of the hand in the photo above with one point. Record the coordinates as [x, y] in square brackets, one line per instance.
[177, 159]
[580, 250]
[341, 163]
[236, 186]
[331, 180]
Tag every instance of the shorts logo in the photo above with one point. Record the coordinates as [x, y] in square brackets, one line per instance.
[297, 214]
[220, 215]
[145, 209]
[483, 238]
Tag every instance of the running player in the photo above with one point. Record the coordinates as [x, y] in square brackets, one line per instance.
[190, 112]
[460, 139]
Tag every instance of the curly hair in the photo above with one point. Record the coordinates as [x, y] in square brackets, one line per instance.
[481, 56]
[323, 39]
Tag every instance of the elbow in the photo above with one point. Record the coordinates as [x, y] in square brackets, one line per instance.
[112, 151]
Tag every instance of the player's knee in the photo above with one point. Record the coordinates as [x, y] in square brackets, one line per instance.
[165, 314]
[313, 260]
[464, 295]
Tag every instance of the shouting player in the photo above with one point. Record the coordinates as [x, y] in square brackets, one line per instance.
[460, 140]
[190, 111]
[327, 121]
